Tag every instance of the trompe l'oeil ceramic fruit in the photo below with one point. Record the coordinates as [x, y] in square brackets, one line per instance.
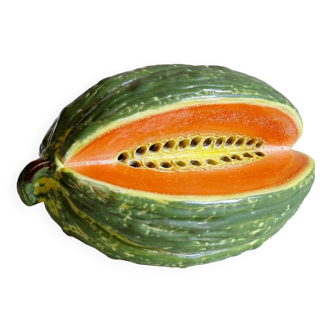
[172, 165]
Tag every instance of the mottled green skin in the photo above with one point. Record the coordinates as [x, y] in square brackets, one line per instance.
[141, 229]
[170, 233]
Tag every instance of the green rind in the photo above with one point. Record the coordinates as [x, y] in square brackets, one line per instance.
[170, 233]
[47, 144]
[153, 87]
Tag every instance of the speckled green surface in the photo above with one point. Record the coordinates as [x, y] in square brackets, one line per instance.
[171, 233]
[142, 229]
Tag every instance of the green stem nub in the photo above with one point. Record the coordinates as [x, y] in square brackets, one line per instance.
[33, 172]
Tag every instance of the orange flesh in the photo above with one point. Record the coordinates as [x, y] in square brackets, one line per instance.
[276, 128]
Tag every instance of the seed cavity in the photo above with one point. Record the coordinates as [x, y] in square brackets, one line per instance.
[183, 144]
[169, 145]
[240, 142]
[230, 141]
[207, 142]
[195, 142]
[208, 152]
[134, 163]
[226, 159]
[235, 157]
[123, 157]
[140, 151]
[165, 164]
[259, 144]
[195, 163]
[251, 142]
[179, 163]
[211, 162]
[155, 147]
[150, 164]
[219, 142]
